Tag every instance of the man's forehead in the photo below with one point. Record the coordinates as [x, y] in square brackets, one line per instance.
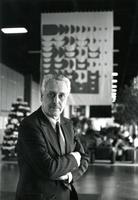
[57, 91]
[56, 85]
[57, 88]
[51, 81]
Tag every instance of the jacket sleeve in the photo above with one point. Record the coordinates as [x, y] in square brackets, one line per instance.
[32, 149]
[78, 172]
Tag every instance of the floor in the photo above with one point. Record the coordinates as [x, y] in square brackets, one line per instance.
[112, 182]
[102, 181]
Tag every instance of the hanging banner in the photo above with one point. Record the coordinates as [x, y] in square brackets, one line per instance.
[80, 45]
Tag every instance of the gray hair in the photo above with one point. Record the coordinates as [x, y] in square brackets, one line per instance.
[49, 77]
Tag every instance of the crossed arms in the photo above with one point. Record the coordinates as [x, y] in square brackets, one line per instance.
[35, 151]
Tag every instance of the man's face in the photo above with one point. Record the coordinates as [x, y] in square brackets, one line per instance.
[54, 98]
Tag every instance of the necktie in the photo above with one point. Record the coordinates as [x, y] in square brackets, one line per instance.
[61, 138]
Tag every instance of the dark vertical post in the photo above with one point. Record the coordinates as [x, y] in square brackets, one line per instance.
[28, 88]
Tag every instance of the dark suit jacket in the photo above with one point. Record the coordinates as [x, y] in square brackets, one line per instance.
[40, 161]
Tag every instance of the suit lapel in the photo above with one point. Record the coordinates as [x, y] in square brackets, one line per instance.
[51, 137]
[48, 132]
[67, 134]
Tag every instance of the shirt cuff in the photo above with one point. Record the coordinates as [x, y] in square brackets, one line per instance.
[70, 177]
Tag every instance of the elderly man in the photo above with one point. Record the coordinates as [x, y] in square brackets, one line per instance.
[50, 157]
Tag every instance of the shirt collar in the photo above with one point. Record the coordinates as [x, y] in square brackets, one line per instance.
[52, 120]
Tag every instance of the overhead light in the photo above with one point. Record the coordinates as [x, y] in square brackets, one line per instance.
[113, 100]
[114, 81]
[113, 97]
[114, 86]
[114, 94]
[14, 30]
[115, 74]
[114, 90]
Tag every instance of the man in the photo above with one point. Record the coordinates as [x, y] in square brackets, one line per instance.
[50, 159]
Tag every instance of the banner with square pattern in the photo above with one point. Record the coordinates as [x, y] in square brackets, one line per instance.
[80, 45]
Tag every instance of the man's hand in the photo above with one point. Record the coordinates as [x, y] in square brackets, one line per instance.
[77, 157]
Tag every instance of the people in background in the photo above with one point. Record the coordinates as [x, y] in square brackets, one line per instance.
[76, 125]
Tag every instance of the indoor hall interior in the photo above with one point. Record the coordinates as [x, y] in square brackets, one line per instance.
[105, 75]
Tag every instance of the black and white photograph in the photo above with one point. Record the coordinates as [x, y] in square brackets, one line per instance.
[68, 100]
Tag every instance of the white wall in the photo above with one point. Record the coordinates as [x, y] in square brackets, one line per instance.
[35, 96]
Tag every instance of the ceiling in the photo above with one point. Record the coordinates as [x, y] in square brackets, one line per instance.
[22, 52]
